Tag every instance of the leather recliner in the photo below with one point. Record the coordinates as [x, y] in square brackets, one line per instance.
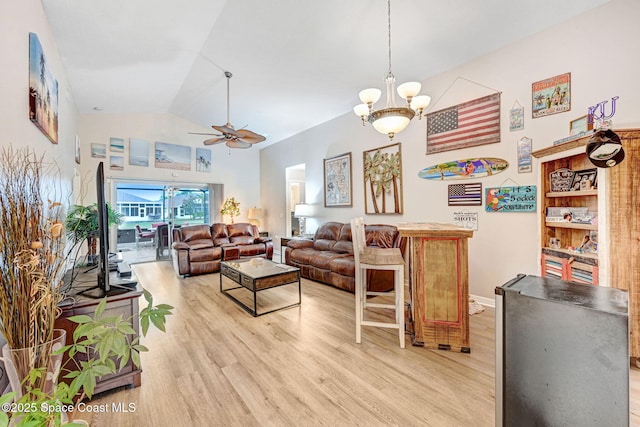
[199, 249]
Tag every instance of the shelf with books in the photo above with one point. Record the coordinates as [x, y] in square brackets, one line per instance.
[569, 214]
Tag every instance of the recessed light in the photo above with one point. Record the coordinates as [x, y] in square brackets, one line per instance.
[97, 108]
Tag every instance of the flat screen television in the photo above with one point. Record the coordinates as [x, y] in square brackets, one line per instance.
[104, 285]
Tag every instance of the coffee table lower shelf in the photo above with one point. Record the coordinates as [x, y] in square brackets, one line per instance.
[256, 278]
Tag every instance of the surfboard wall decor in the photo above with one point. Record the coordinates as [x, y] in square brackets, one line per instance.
[465, 169]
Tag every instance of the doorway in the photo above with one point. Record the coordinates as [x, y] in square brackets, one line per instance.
[295, 191]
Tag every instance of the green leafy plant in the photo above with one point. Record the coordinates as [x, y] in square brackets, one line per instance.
[82, 221]
[104, 342]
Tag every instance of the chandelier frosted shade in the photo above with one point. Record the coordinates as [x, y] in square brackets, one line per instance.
[370, 96]
[409, 89]
[391, 120]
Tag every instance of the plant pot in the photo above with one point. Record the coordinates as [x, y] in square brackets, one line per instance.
[19, 362]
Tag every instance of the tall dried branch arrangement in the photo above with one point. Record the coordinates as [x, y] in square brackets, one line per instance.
[32, 249]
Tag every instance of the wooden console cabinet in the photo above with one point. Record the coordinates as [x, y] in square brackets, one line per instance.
[439, 284]
[125, 304]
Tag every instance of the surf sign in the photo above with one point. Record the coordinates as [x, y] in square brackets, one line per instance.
[464, 169]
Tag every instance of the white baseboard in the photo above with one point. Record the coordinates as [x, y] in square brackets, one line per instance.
[488, 302]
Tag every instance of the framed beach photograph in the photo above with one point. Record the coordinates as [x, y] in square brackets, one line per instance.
[99, 151]
[337, 181]
[173, 156]
[43, 91]
[203, 160]
[383, 180]
[138, 152]
[116, 145]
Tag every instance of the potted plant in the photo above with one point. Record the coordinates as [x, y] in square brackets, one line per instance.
[230, 207]
[82, 224]
[33, 256]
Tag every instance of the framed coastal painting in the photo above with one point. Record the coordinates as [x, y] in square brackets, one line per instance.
[138, 152]
[43, 91]
[383, 180]
[337, 181]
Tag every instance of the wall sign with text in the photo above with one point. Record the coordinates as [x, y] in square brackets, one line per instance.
[511, 199]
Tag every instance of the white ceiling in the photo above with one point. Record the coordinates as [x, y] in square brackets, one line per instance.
[295, 63]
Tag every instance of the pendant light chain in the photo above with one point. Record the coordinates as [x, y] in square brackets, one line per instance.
[389, 23]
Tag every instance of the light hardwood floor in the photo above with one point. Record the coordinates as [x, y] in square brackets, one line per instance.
[218, 366]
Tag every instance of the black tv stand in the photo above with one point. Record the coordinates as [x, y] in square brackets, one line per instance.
[114, 289]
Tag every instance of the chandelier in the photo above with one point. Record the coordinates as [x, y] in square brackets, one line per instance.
[391, 119]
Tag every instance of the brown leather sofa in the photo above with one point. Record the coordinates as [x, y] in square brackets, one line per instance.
[199, 249]
[328, 258]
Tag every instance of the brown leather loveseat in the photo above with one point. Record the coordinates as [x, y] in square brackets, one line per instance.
[328, 258]
[199, 249]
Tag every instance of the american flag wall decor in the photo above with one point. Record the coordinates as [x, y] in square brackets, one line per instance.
[465, 194]
[471, 123]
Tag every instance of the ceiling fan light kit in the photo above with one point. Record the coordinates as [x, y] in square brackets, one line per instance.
[391, 119]
[241, 138]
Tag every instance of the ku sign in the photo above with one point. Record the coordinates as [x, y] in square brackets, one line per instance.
[597, 112]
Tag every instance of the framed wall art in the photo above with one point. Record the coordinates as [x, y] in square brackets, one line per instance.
[581, 124]
[337, 181]
[138, 152]
[99, 151]
[383, 180]
[43, 91]
[172, 156]
[551, 96]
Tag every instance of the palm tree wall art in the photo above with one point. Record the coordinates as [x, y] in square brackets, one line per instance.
[383, 180]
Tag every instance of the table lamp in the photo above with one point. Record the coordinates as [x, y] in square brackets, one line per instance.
[301, 211]
[255, 215]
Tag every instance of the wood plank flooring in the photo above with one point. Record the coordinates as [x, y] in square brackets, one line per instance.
[219, 366]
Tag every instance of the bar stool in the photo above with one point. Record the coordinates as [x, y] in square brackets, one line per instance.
[376, 259]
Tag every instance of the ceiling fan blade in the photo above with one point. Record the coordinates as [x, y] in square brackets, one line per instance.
[238, 144]
[203, 133]
[249, 136]
[226, 130]
[213, 141]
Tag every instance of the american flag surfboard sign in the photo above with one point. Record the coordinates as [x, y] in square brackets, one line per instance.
[469, 124]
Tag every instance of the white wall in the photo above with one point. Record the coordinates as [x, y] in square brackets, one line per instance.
[598, 48]
[17, 20]
[237, 169]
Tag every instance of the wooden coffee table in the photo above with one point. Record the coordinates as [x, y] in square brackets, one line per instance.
[258, 276]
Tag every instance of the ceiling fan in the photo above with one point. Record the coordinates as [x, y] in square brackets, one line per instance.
[240, 138]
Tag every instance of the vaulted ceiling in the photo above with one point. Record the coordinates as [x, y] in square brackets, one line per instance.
[295, 63]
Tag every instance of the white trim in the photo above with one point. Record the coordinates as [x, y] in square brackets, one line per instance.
[488, 302]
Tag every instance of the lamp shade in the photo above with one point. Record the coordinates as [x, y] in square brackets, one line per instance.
[409, 89]
[255, 213]
[301, 211]
[370, 95]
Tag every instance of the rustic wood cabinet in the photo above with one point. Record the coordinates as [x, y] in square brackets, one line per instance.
[125, 304]
[439, 284]
[618, 202]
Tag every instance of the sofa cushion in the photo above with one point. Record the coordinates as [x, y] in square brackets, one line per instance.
[240, 229]
[345, 266]
[195, 232]
[196, 245]
[323, 244]
[329, 230]
[381, 236]
[242, 240]
[205, 254]
[323, 259]
[344, 245]
[221, 241]
[303, 255]
[251, 250]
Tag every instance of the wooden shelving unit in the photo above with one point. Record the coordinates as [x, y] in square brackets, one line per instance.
[561, 263]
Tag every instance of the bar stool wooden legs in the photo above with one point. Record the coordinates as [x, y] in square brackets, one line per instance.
[376, 259]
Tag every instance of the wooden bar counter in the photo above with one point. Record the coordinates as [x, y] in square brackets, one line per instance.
[439, 284]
